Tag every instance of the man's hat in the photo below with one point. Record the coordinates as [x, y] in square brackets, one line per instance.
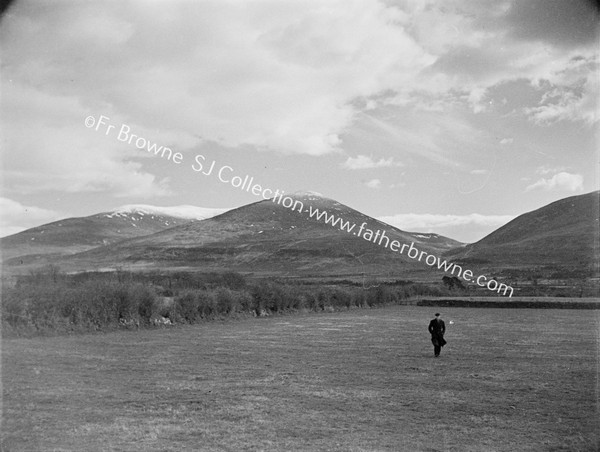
[437, 314]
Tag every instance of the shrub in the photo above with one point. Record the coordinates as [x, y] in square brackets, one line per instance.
[145, 299]
[322, 299]
[245, 301]
[227, 302]
[207, 304]
[341, 298]
[187, 307]
[267, 297]
[15, 309]
[293, 298]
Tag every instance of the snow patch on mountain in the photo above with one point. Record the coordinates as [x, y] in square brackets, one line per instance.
[308, 193]
[185, 212]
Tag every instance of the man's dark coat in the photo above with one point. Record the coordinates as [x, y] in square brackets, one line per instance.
[437, 328]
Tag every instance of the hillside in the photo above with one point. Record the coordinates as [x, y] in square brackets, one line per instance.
[563, 234]
[268, 238]
[73, 235]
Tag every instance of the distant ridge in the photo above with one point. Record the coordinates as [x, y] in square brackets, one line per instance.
[74, 235]
[266, 238]
[261, 237]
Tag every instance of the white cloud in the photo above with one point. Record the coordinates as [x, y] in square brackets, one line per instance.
[16, 217]
[436, 222]
[479, 171]
[49, 148]
[475, 99]
[374, 183]
[272, 75]
[566, 105]
[291, 77]
[560, 181]
[547, 169]
[464, 38]
[287, 77]
[366, 162]
[432, 135]
[570, 94]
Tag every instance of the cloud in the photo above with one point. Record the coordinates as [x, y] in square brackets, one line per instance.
[269, 75]
[466, 228]
[560, 181]
[435, 222]
[431, 135]
[479, 171]
[366, 162]
[293, 77]
[571, 94]
[17, 217]
[374, 183]
[506, 141]
[547, 169]
[287, 77]
[464, 38]
[57, 152]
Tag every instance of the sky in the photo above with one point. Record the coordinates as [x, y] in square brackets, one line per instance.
[449, 116]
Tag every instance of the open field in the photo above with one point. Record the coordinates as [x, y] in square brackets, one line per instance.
[359, 380]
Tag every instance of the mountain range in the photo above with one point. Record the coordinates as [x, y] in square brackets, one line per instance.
[268, 238]
[74, 235]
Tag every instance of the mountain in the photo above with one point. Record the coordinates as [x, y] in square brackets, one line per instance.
[563, 234]
[73, 235]
[269, 238]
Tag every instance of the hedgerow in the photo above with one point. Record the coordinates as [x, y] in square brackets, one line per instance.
[51, 302]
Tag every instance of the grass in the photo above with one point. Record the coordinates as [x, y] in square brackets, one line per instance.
[359, 380]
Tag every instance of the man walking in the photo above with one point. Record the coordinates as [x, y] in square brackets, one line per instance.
[437, 328]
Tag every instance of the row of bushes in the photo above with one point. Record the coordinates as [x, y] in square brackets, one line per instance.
[89, 306]
[264, 298]
[94, 304]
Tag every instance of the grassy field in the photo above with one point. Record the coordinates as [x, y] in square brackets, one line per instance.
[360, 380]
